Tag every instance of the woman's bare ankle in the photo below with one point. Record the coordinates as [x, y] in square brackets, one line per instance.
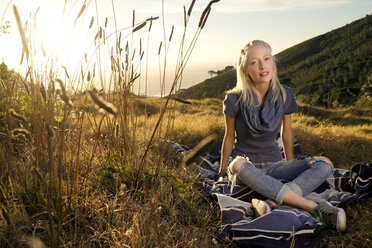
[273, 203]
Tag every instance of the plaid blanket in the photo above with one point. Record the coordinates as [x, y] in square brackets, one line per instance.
[285, 226]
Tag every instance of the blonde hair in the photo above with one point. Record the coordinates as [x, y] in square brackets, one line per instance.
[244, 84]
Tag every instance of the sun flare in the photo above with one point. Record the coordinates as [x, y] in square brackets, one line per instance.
[53, 34]
[56, 38]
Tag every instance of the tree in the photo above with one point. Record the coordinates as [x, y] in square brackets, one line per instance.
[366, 89]
[211, 72]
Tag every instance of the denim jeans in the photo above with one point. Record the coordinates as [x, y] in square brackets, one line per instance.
[302, 177]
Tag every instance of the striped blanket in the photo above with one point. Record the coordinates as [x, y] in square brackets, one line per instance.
[285, 226]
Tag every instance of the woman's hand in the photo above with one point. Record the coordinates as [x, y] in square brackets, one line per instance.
[223, 170]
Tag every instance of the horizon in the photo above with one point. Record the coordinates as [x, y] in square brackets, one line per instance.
[298, 20]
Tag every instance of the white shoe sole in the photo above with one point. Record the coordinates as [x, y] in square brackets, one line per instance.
[341, 220]
[260, 207]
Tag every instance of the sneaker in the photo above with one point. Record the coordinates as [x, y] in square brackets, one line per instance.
[261, 207]
[334, 217]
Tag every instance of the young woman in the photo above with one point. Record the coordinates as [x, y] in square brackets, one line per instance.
[256, 110]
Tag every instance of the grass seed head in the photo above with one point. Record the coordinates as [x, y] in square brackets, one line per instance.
[143, 52]
[17, 116]
[21, 32]
[199, 149]
[184, 16]
[91, 22]
[134, 18]
[152, 18]
[63, 93]
[80, 12]
[171, 34]
[181, 100]
[21, 132]
[67, 75]
[139, 27]
[190, 8]
[96, 37]
[43, 92]
[160, 47]
[204, 17]
[205, 14]
[101, 103]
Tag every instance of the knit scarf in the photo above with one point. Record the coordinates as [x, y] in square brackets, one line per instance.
[261, 120]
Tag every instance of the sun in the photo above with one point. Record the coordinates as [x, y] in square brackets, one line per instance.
[53, 33]
[56, 38]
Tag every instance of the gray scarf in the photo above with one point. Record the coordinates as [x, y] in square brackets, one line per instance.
[266, 119]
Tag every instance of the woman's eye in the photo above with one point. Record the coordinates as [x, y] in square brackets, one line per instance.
[253, 62]
[267, 58]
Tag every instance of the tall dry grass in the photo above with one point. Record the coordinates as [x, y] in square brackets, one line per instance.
[344, 135]
[80, 167]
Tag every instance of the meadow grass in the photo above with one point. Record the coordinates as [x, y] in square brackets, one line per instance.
[343, 134]
[170, 208]
[82, 167]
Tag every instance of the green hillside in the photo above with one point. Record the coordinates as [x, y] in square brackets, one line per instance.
[210, 88]
[327, 70]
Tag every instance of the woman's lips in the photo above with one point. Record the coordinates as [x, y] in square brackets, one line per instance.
[264, 74]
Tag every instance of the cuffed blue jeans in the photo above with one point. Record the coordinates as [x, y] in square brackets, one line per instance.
[303, 176]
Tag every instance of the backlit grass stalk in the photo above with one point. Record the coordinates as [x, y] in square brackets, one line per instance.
[123, 83]
[42, 120]
[54, 192]
[59, 129]
[93, 152]
[146, 76]
[179, 71]
[166, 51]
[182, 60]
[163, 74]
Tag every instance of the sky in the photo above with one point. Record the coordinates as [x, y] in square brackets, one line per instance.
[230, 25]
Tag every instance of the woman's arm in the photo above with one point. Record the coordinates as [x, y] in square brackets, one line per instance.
[287, 137]
[228, 143]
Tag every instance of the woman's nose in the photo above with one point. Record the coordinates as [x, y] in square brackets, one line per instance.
[261, 65]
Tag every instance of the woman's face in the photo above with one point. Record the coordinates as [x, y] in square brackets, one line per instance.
[260, 65]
